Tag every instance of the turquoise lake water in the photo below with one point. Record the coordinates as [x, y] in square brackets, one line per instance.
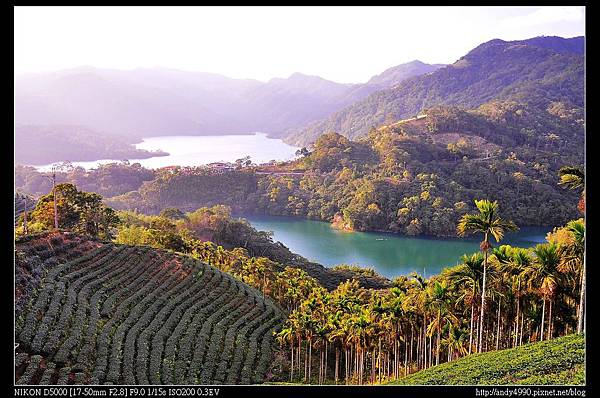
[389, 254]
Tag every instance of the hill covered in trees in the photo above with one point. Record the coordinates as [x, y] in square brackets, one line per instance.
[108, 179]
[537, 71]
[415, 177]
[557, 362]
[38, 145]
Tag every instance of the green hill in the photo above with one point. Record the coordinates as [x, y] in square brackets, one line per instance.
[556, 362]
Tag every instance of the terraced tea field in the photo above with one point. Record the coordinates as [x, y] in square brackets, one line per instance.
[115, 314]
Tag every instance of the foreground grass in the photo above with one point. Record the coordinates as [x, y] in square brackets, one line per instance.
[560, 362]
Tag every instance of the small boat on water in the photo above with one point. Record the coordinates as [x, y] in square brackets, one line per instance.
[380, 239]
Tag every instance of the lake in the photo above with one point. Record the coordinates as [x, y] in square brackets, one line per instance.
[201, 150]
[390, 255]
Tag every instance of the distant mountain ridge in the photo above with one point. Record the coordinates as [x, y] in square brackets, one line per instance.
[575, 45]
[146, 102]
[39, 145]
[396, 74]
[149, 102]
[388, 79]
[541, 70]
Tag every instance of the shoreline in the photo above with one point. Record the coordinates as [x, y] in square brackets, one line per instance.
[381, 231]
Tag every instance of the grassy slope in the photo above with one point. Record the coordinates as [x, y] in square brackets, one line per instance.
[559, 361]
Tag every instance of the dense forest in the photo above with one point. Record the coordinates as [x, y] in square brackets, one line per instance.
[108, 180]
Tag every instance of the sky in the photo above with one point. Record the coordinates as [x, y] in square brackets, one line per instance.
[343, 44]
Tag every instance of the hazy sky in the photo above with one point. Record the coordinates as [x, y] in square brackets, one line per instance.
[344, 44]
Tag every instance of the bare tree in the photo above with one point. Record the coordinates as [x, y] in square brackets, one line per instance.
[53, 179]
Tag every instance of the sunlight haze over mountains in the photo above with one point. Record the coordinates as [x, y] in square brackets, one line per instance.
[346, 45]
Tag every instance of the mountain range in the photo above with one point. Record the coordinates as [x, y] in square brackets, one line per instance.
[541, 70]
[147, 102]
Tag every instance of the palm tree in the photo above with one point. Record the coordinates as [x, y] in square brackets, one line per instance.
[573, 178]
[573, 256]
[514, 262]
[286, 335]
[455, 342]
[397, 306]
[336, 336]
[488, 223]
[439, 302]
[467, 277]
[295, 326]
[361, 323]
[385, 327]
[545, 276]
[419, 297]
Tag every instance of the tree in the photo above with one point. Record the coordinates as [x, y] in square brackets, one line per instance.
[514, 263]
[58, 205]
[486, 222]
[172, 213]
[468, 277]
[53, 179]
[455, 342]
[302, 152]
[544, 275]
[439, 302]
[573, 257]
[286, 335]
[78, 211]
[574, 178]
[245, 161]
[95, 218]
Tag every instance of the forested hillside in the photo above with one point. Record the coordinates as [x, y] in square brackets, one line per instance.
[41, 145]
[537, 72]
[415, 177]
[108, 180]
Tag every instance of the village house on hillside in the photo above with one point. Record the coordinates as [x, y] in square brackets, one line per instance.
[221, 166]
